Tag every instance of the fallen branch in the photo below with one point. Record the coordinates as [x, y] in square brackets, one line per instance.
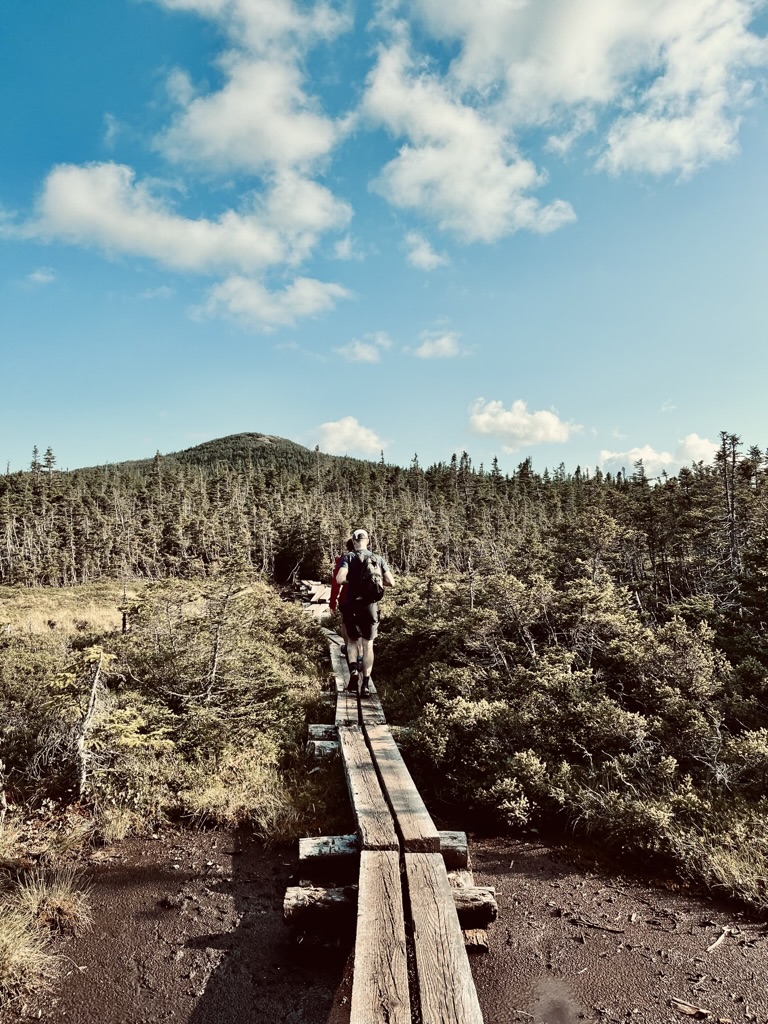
[689, 1009]
[726, 930]
[594, 924]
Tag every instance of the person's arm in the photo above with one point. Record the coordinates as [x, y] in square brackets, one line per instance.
[341, 575]
[335, 588]
[386, 575]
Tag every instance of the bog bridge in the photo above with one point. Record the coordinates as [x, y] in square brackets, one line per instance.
[418, 910]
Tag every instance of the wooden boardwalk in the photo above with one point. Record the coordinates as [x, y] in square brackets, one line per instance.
[414, 918]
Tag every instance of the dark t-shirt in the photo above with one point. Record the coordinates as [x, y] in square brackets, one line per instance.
[354, 564]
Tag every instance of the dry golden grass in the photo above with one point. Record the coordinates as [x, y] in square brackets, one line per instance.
[114, 822]
[740, 873]
[55, 899]
[93, 606]
[9, 840]
[243, 787]
[24, 960]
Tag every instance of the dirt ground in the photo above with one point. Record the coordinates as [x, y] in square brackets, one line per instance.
[188, 928]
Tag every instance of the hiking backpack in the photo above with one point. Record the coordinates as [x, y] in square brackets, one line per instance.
[371, 579]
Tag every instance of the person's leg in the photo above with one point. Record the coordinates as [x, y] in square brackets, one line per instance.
[369, 632]
[353, 643]
[343, 630]
[367, 657]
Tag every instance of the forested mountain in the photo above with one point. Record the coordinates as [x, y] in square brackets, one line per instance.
[695, 542]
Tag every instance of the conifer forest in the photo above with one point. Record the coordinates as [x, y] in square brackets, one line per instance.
[577, 652]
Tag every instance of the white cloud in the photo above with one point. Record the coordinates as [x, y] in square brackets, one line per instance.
[260, 119]
[691, 448]
[421, 254]
[665, 80]
[668, 406]
[367, 350]
[102, 205]
[458, 167]
[348, 437]
[261, 25]
[41, 276]
[111, 130]
[517, 426]
[438, 345]
[250, 303]
[682, 144]
[345, 249]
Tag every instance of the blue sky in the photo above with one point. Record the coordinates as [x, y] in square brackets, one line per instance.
[506, 228]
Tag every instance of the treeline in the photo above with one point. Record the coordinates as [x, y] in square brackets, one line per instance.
[695, 543]
[575, 651]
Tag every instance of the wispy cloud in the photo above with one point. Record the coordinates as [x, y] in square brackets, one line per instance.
[438, 345]
[111, 130]
[666, 82]
[420, 253]
[346, 249]
[103, 205]
[254, 306]
[516, 426]
[459, 166]
[162, 292]
[348, 437]
[366, 350]
[691, 449]
[263, 118]
[41, 276]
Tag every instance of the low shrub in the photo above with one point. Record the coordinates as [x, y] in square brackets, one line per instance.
[25, 962]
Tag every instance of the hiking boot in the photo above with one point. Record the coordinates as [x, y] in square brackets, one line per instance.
[354, 679]
[365, 688]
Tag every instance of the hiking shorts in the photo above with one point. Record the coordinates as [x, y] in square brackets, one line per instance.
[361, 620]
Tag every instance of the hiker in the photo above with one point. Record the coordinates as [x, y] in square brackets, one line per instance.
[365, 576]
[338, 599]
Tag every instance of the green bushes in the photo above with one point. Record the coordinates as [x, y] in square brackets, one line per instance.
[566, 709]
[195, 711]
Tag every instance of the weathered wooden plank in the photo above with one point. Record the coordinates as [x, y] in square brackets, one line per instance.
[347, 712]
[475, 905]
[453, 847]
[320, 850]
[346, 709]
[475, 939]
[380, 985]
[340, 668]
[446, 990]
[414, 824]
[322, 750]
[371, 712]
[375, 828]
[302, 902]
[321, 732]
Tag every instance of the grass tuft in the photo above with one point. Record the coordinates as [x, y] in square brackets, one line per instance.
[55, 900]
[243, 787]
[24, 961]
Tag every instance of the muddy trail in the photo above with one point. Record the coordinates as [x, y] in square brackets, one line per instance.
[188, 928]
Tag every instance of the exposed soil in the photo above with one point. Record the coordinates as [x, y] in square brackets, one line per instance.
[188, 928]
